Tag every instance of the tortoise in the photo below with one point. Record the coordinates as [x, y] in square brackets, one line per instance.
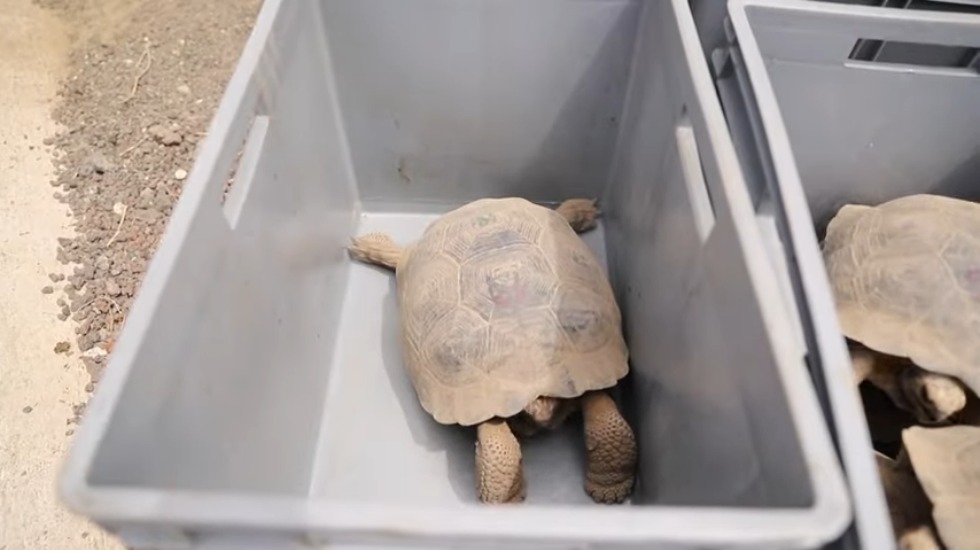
[509, 324]
[946, 462]
[906, 281]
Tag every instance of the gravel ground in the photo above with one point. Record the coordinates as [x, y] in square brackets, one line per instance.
[102, 104]
[145, 79]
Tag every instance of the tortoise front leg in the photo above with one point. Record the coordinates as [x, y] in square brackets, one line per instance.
[581, 214]
[611, 448]
[862, 363]
[499, 468]
[931, 397]
[376, 248]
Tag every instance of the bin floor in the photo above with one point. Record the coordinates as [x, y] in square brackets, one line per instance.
[378, 444]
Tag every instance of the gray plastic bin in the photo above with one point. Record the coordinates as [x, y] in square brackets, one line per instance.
[256, 396]
[816, 129]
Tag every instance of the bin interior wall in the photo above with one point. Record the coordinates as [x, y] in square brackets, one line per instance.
[870, 132]
[421, 106]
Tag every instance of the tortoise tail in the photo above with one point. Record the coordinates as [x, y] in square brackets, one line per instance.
[581, 214]
[376, 248]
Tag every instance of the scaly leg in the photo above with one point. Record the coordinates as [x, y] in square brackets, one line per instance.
[499, 469]
[580, 213]
[611, 448]
[376, 248]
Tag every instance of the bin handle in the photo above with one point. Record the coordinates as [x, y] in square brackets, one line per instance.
[243, 172]
[697, 189]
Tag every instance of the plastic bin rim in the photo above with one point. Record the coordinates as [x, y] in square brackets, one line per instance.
[737, 10]
[621, 524]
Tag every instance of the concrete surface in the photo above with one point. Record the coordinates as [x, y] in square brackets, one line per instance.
[37, 387]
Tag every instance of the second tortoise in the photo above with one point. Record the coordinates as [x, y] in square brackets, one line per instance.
[906, 281]
[946, 461]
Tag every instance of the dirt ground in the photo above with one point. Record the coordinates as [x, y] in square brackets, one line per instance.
[102, 105]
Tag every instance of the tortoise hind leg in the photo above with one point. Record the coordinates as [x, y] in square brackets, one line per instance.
[581, 214]
[376, 248]
[611, 448]
[499, 475]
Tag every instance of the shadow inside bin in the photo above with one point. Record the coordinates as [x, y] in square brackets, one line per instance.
[959, 183]
[456, 441]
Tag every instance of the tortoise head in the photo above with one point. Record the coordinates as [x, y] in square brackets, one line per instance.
[934, 398]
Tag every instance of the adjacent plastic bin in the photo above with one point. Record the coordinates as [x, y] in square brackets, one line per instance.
[256, 397]
[820, 120]
[710, 15]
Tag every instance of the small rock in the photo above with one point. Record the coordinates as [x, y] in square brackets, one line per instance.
[65, 310]
[184, 89]
[27, 409]
[164, 135]
[62, 302]
[86, 342]
[180, 174]
[94, 366]
[49, 141]
[112, 288]
[147, 214]
[90, 387]
[97, 162]
[62, 317]
[78, 410]
[70, 433]
[86, 270]
[62, 347]
[56, 277]
[102, 263]
[47, 290]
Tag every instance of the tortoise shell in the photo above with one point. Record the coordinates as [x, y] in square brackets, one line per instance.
[501, 303]
[906, 280]
[947, 463]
